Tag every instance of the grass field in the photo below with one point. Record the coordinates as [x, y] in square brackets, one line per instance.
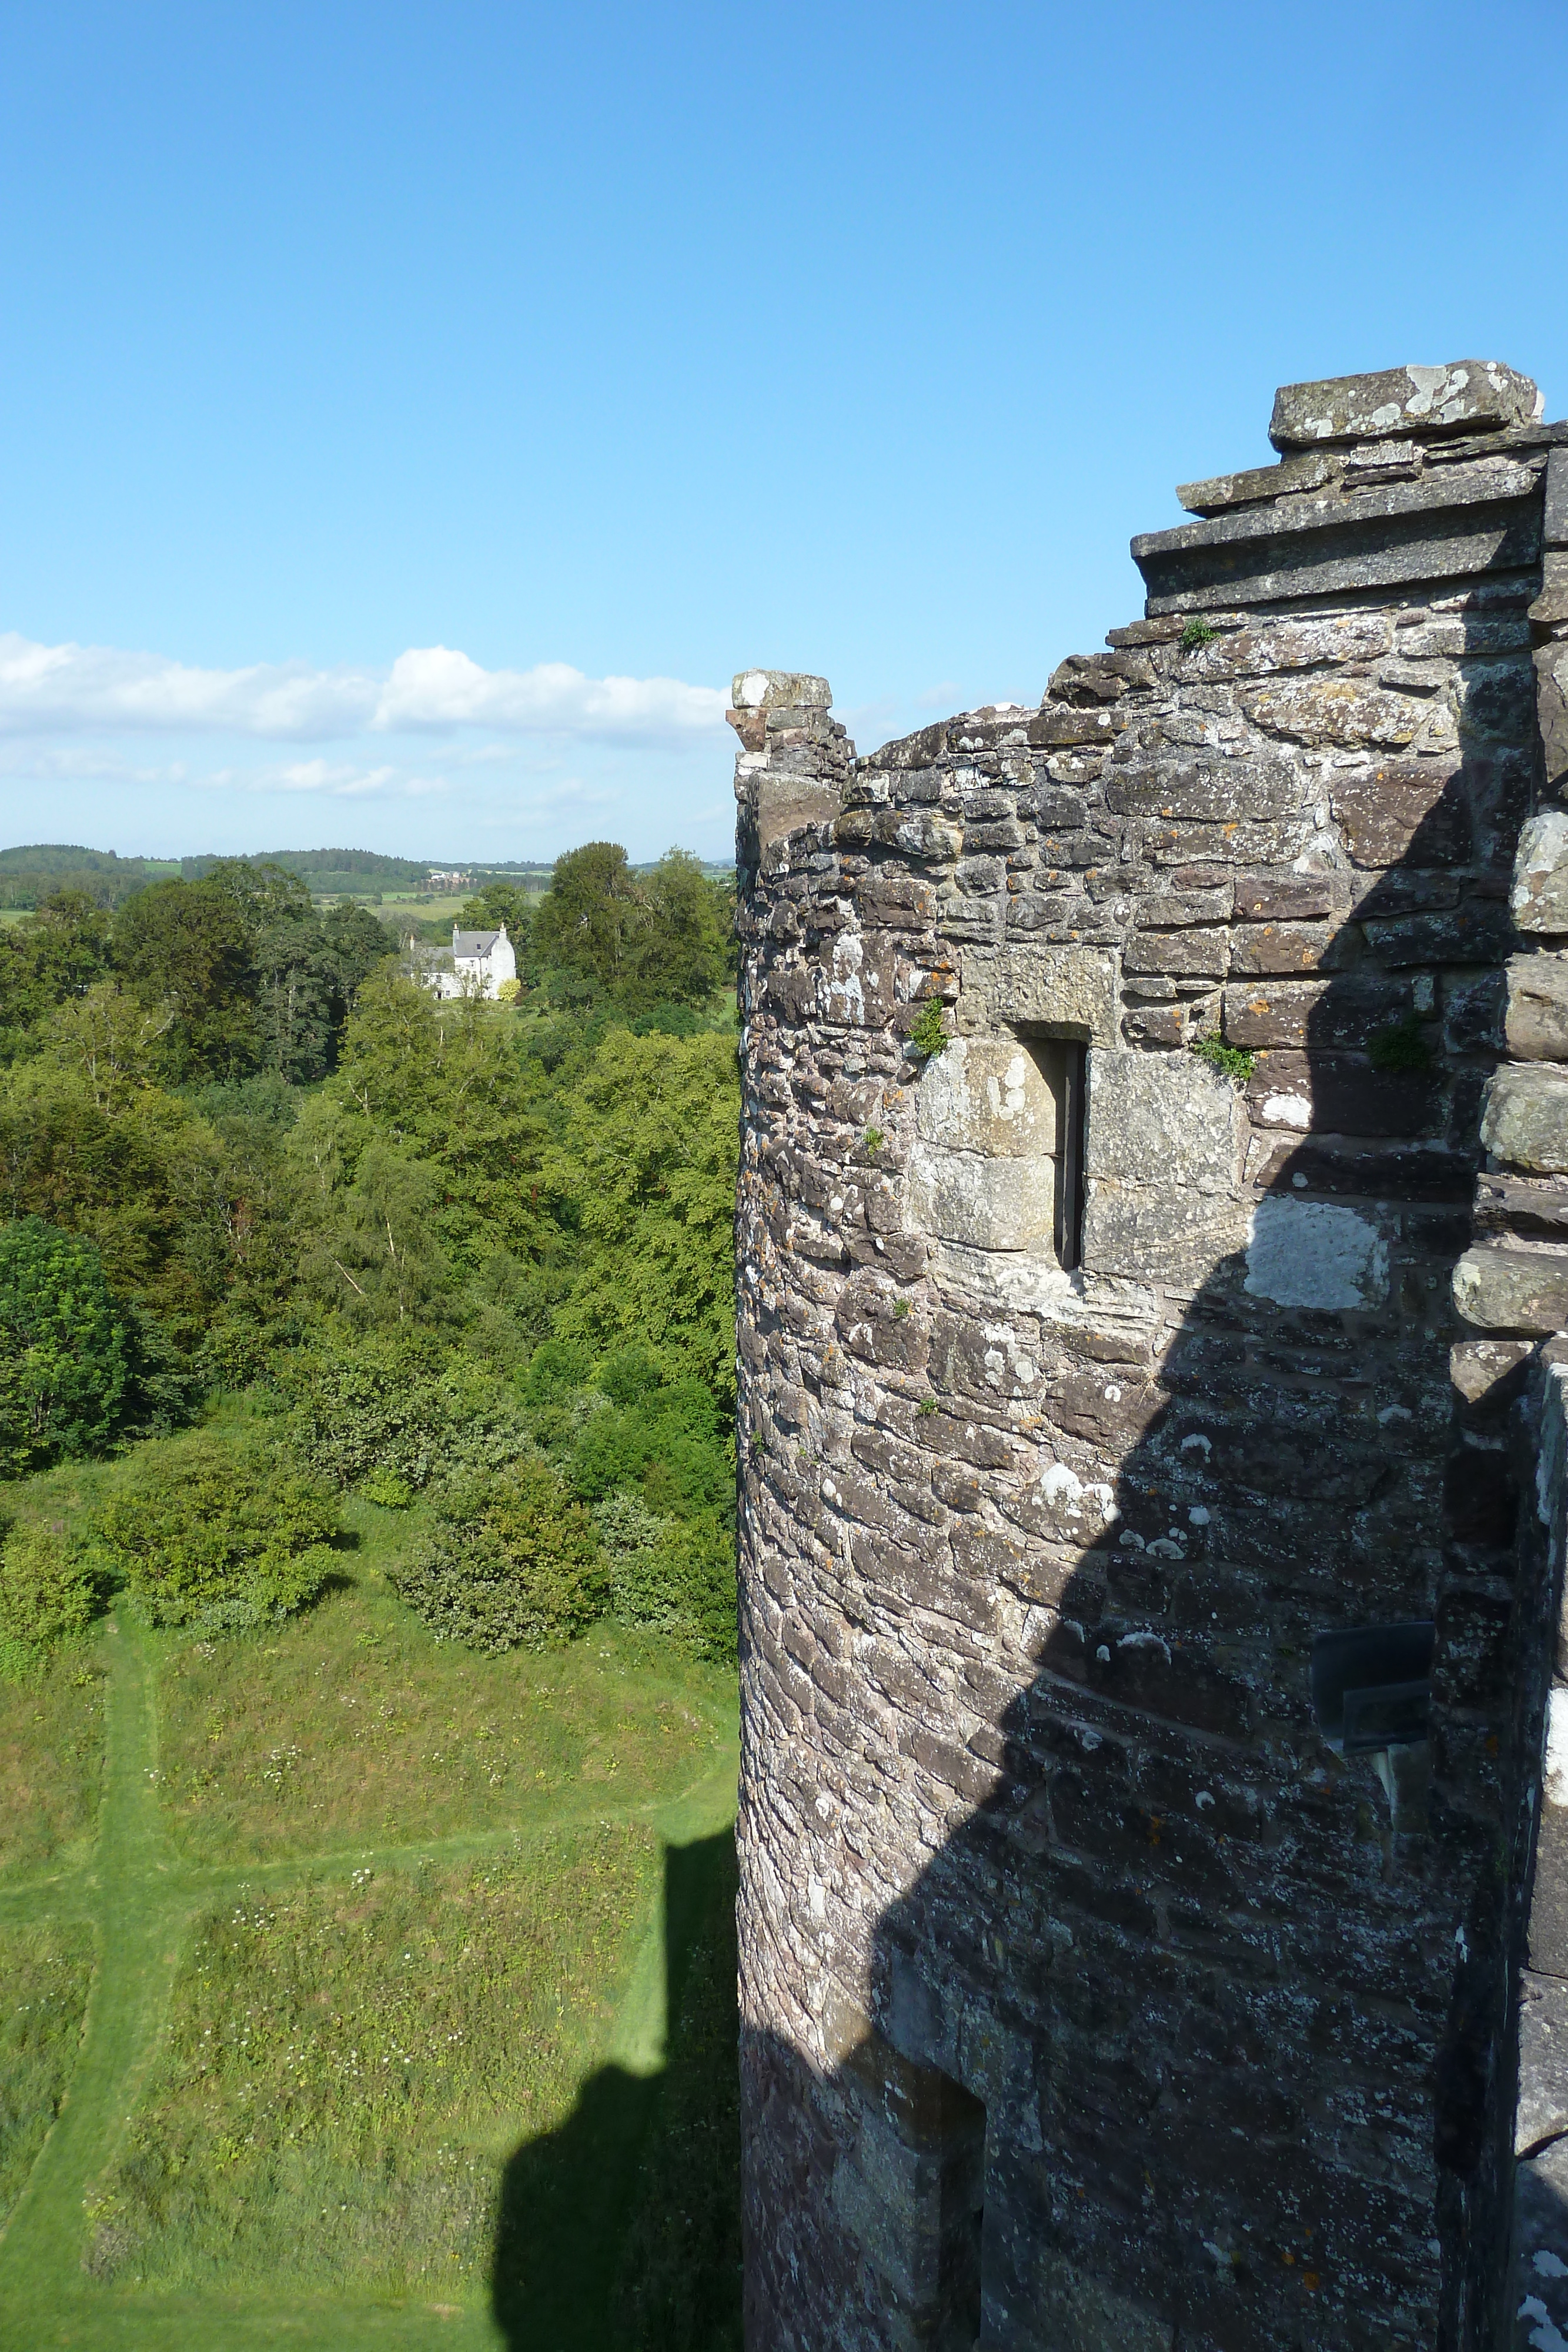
[45, 1972]
[346, 1966]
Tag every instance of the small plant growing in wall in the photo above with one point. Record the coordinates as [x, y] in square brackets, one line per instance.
[1196, 634]
[872, 1142]
[1402, 1047]
[926, 1408]
[929, 1034]
[900, 1309]
[1233, 1062]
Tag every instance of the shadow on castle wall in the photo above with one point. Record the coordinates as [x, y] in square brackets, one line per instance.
[1237, 2008]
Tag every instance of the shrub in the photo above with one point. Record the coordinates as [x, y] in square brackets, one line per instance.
[48, 1594]
[67, 1371]
[390, 1411]
[514, 1563]
[509, 991]
[677, 1578]
[207, 1536]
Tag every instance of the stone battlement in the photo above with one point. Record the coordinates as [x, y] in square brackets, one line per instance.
[1152, 1249]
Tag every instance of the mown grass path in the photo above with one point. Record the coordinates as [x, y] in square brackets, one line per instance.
[141, 1898]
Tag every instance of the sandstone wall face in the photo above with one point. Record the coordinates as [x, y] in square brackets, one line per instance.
[1092, 1996]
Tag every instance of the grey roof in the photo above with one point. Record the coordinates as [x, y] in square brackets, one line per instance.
[472, 943]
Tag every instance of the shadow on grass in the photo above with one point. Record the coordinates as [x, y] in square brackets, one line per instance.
[623, 2227]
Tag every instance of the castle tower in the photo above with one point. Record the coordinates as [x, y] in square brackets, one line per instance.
[1153, 1229]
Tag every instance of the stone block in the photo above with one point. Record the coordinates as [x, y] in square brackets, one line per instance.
[1536, 1206]
[1355, 1165]
[1176, 910]
[1198, 953]
[1298, 1013]
[1481, 931]
[909, 753]
[1494, 697]
[919, 833]
[1538, 899]
[1310, 472]
[1554, 516]
[1284, 898]
[774, 690]
[1548, 1932]
[1162, 1119]
[1489, 1370]
[1535, 1016]
[1177, 1234]
[1550, 609]
[1497, 1289]
[1552, 710]
[1069, 989]
[1455, 521]
[1205, 789]
[1473, 1011]
[1283, 948]
[1403, 811]
[985, 1203]
[1536, 2311]
[1525, 1122]
[1060, 727]
[1264, 647]
[1340, 1094]
[1542, 2111]
[1315, 1253]
[987, 1095]
[783, 804]
[1338, 711]
[1466, 397]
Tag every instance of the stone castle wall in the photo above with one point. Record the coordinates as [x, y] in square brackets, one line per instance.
[1094, 1993]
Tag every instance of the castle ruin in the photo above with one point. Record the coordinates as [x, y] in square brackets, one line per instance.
[1153, 1260]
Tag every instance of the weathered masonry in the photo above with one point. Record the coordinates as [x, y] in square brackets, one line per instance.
[1155, 1910]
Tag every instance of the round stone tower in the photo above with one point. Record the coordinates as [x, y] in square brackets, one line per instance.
[1143, 1666]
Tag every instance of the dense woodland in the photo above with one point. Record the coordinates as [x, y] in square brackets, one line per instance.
[466, 1258]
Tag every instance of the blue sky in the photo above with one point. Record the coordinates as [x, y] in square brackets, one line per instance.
[412, 414]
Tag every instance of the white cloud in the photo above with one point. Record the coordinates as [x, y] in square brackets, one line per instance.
[69, 688]
[433, 687]
[339, 779]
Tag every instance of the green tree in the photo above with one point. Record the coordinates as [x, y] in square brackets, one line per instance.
[297, 997]
[643, 1177]
[375, 1258]
[188, 945]
[442, 1083]
[67, 1351]
[112, 1042]
[590, 918]
[53, 957]
[143, 1178]
[681, 953]
[496, 903]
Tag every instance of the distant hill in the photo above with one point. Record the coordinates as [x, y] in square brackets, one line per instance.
[31, 872]
[355, 871]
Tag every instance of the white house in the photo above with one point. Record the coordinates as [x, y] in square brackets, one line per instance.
[481, 960]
